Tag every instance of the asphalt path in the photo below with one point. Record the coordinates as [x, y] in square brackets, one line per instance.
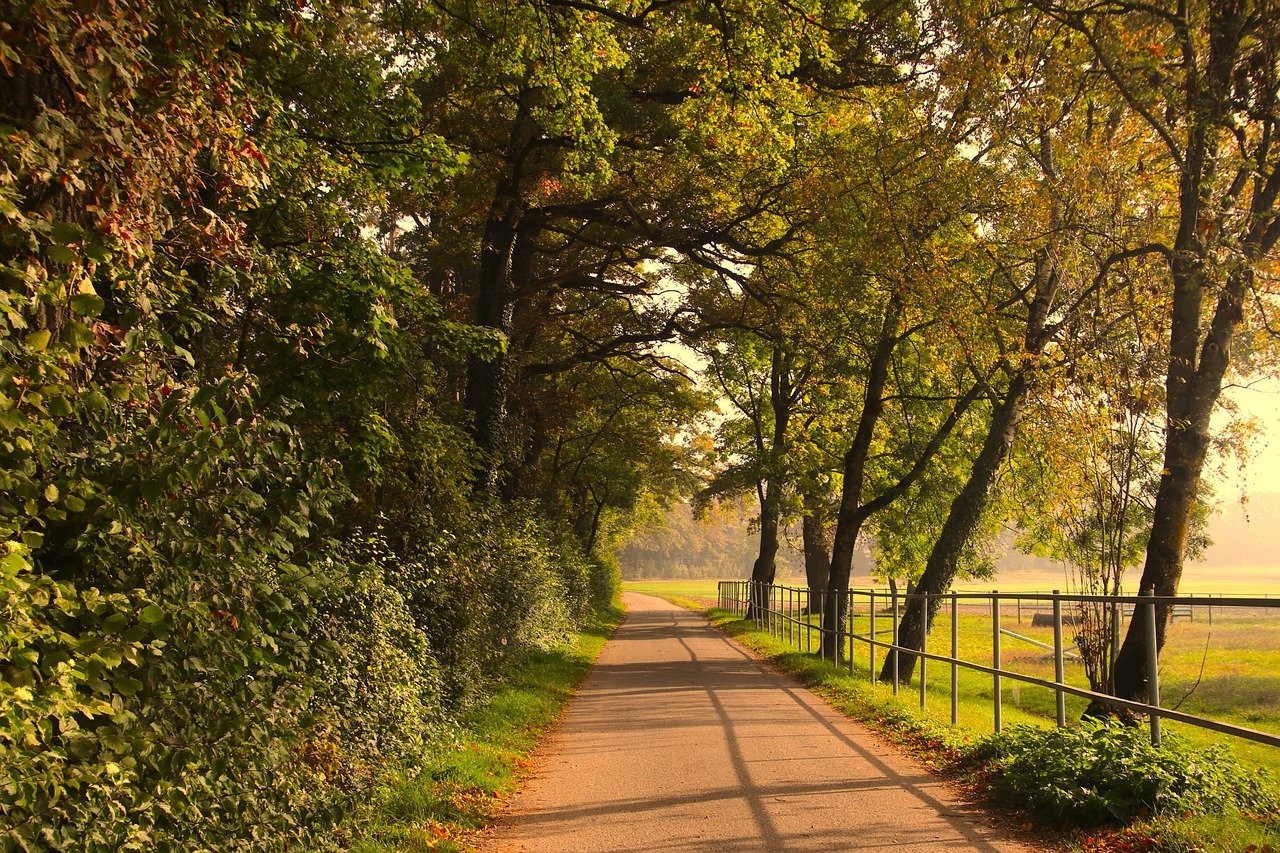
[679, 739]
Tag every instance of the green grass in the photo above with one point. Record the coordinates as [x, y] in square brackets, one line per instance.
[436, 807]
[696, 590]
[927, 732]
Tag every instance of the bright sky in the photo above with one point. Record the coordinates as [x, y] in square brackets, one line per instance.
[1260, 400]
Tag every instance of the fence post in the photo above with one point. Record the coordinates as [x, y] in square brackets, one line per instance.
[822, 626]
[852, 631]
[773, 610]
[871, 646]
[793, 624]
[924, 642]
[795, 617]
[893, 649]
[1115, 643]
[955, 655]
[1153, 668]
[1058, 674]
[808, 621]
[842, 613]
[995, 656]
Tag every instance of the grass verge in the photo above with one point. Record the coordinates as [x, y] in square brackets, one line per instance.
[438, 806]
[949, 749]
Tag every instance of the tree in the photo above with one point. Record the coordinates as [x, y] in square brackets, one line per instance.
[1068, 229]
[1201, 78]
[900, 290]
[1090, 488]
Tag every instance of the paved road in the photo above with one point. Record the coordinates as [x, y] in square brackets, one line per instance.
[680, 740]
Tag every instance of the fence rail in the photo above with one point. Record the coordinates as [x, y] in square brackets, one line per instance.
[787, 612]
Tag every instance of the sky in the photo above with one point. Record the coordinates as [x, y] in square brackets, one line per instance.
[1261, 400]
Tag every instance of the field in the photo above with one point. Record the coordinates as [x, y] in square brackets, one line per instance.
[1196, 580]
[1224, 666]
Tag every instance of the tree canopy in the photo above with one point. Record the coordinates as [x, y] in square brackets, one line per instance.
[344, 343]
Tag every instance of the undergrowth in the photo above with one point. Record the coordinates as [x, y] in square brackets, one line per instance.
[1093, 773]
[439, 805]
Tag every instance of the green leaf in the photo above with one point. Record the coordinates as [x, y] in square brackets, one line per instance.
[39, 340]
[61, 254]
[126, 685]
[151, 614]
[66, 232]
[87, 304]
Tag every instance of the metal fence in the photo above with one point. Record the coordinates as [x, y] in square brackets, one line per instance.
[785, 612]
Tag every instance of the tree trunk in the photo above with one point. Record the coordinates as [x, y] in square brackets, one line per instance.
[852, 513]
[968, 506]
[817, 559]
[853, 510]
[1199, 356]
[962, 521]
[506, 255]
[1186, 446]
[765, 569]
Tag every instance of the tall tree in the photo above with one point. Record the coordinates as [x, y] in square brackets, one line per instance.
[1202, 78]
[1063, 233]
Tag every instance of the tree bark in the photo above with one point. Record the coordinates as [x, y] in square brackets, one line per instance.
[1186, 447]
[814, 529]
[506, 256]
[853, 510]
[968, 506]
[852, 513]
[765, 569]
[962, 521]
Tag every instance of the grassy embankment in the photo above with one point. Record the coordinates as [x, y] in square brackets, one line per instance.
[439, 805]
[1228, 671]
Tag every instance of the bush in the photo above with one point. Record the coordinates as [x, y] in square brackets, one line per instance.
[377, 683]
[1093, 773]
[488, 586]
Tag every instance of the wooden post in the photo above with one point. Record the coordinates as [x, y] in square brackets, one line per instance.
[894, 651]
[871, 646]
[924, 643]
[955, 667]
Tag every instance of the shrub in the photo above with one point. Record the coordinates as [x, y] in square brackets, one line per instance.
[377, 683]
[1097, 772]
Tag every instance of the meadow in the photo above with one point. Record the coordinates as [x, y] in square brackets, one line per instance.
[1223, 664]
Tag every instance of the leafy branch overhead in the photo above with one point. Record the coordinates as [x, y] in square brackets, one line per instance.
[346, 344]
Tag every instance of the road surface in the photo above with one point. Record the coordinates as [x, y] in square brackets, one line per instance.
[681, 740]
